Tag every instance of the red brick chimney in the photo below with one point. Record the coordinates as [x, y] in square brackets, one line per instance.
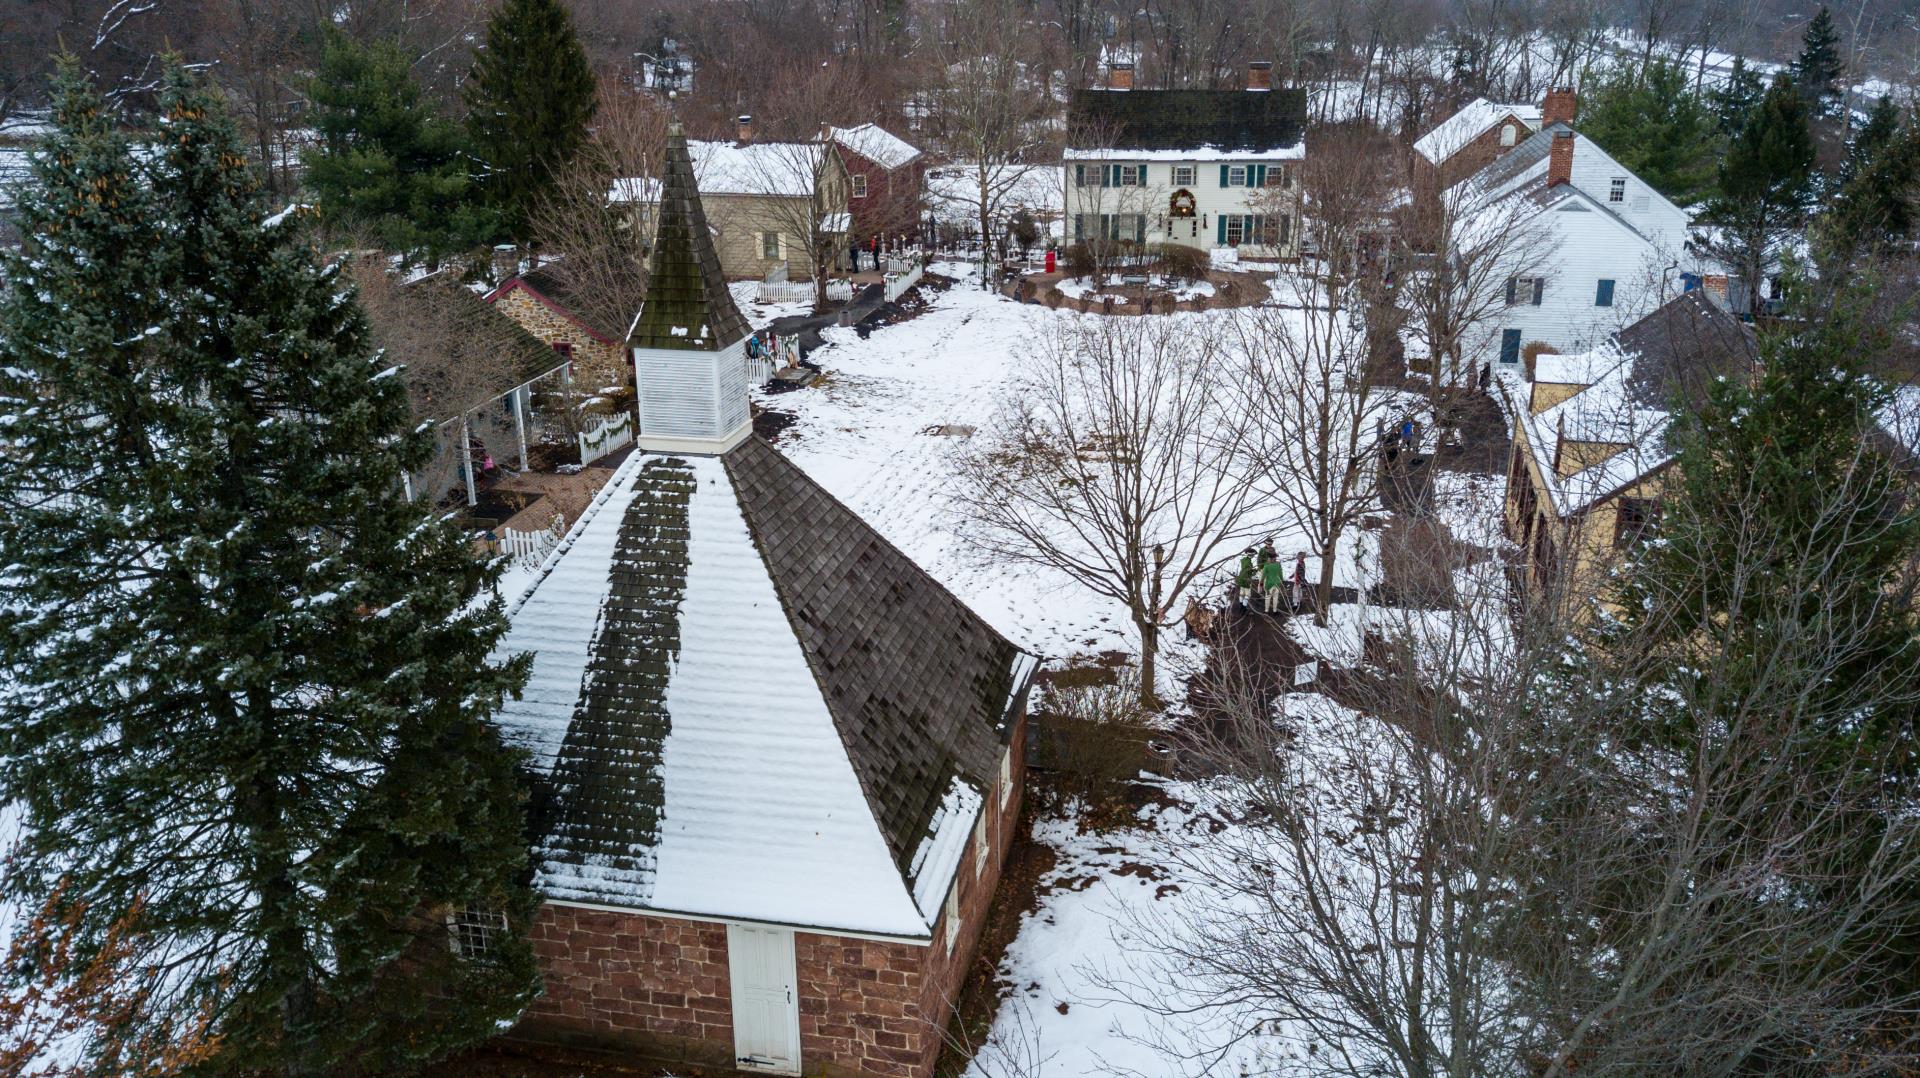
[1560, 163]
[743, 125]
[1119, 76]
[1560, 107]
[1260, 75]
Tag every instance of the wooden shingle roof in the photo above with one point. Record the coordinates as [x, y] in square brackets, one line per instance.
[687, 305]
[1224, 120]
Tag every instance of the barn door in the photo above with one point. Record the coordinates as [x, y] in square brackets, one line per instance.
[766, 1007]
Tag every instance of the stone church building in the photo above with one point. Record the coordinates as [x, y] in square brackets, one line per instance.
[779, 766]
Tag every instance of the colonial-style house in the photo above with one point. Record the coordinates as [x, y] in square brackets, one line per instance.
[1589, 437]
[544, 303]
[1480, 131]
[1579, 245]
[772, 206]
[1202, 168]
[778, 764]
[886, 182]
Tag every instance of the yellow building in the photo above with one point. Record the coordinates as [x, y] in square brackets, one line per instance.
[1590, 444]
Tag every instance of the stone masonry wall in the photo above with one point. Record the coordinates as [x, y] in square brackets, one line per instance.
[596, 363]
[947, 968]
[658, 986]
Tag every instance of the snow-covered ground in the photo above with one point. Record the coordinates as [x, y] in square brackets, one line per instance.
[1082, 287]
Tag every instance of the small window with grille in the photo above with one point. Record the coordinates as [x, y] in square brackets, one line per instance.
[476, 932]
[1617, 189]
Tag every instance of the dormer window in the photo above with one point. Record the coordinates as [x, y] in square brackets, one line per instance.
[1509, 134]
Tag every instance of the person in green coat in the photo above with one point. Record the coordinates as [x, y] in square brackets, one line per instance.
[1245, 578]
[1272, 577]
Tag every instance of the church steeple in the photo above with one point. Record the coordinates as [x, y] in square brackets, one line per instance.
[689, 370]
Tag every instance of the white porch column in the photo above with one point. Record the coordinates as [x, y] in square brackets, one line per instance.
[466, 461]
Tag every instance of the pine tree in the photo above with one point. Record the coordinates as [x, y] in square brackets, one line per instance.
[529, 96]
[250, 685]
[1736, 99]
[1817, 70]
[1652, 122]
[385, 162]
[1875, 201]
[1765, 184]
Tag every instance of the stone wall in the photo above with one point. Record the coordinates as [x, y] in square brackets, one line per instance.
[596, 363]
[658, 986]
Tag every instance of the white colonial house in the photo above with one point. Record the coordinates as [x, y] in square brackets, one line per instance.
[1589, 247]
[1203, 168]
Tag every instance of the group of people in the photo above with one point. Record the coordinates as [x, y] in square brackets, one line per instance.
[1262, 579]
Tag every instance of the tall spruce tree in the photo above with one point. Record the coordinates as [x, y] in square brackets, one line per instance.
[1818, 69]
[1736, 98]
[248, 682]
[1876, 201]
[1651, 121]
[385, 161]
[529, 97]
[1765, 184]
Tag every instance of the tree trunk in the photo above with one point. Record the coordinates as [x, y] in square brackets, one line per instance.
[1323, 592]
[1149, 654]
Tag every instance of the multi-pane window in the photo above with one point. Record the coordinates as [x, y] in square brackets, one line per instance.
[859, 186]
[1617, 189]
[1522, 291]
[1237, 176]
[475, 932]
[1634, 520]
[770, 245]
[1006, 777]
[953, 913]
[980, 842]
[1183, 175]
[1128, 175]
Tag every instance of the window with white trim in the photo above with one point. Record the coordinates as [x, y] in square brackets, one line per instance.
[980, 842]
[1129, 175]
[1509, 134]
[474, 932]
[1006, 777]
[770, 245]
[1237, 176]
[953, 914]
[1617, 189]
[1183, 175]
[859, 186]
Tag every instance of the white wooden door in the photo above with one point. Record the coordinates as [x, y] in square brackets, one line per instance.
[766, 1006]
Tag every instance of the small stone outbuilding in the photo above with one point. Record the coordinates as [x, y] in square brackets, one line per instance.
[779, 766]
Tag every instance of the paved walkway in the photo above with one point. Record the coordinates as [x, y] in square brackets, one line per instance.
[808, 326]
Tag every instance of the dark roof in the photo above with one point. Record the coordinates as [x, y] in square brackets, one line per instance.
[687, 305]
[1228, 120]
[491, 352]
[1682, 348]
[918, 685]
[1532, 150]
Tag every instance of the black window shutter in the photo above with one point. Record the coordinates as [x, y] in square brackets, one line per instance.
[1513, 290]
[1539, 290]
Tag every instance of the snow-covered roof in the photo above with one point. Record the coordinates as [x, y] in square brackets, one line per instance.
[744, 703]
[783, 169]
[1202, 154]
[1680, 348]
[876, 144]
[1474, 119]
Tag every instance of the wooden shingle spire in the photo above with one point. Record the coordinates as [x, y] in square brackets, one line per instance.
[688, 306]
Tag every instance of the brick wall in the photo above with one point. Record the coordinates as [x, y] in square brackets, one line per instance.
[947, 969]
[596, 363]
[658, 986]
[627, 979]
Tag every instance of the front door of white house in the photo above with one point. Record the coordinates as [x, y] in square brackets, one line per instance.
[766, 1005]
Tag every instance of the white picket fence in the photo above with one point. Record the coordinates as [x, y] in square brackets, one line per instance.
[839, 290]
[759, 370]
[607, 436]
[898, 283]
[533, 546]
[784, 291]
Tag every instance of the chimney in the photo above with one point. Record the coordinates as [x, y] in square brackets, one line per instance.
[1560, 107]
[1260, 75]
[1119, 76]
[1560, 163]
[743, 125]
[506, 261]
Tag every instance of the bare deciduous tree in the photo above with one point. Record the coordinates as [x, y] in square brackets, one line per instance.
[1113, 461]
